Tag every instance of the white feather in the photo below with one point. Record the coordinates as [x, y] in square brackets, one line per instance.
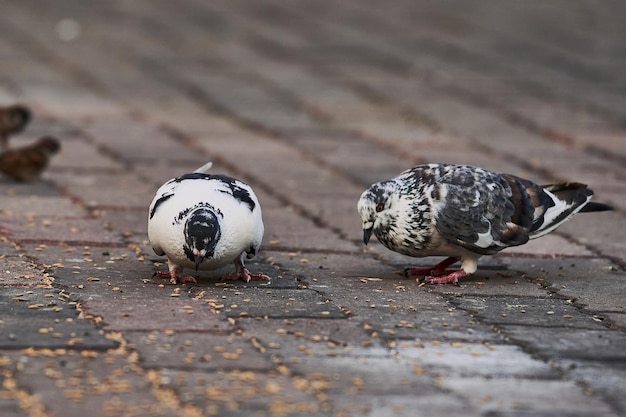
[241, 228]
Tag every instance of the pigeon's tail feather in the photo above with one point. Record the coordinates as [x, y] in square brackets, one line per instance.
[204, 168]
[593, 206]
[562, 202]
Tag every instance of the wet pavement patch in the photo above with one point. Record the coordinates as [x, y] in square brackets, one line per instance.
[46, 318]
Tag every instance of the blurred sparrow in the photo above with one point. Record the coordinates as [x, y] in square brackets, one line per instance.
[26, 163]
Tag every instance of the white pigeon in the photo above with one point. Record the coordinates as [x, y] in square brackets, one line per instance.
[464, 212]
[204, 221]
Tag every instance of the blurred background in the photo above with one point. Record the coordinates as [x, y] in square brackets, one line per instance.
[360, 89]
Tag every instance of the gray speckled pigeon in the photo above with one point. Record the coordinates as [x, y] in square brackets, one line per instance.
[205, 221]
[464, 212]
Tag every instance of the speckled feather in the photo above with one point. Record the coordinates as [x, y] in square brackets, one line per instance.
[465, 212]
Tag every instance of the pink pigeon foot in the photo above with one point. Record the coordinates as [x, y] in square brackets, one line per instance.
[438, 269]
[244, 275]
[452, 278]
[175, 278]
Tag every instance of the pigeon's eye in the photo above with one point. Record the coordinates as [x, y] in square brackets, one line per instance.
[379, 207]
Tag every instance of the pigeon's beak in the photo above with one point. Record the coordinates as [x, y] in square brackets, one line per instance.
[367, 233]
[198, 260]
[198, 257]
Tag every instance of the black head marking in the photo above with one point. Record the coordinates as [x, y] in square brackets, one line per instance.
[202, 232]
[184, 213]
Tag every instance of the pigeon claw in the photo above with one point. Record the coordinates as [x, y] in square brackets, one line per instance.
[452, 278]
[187, 279]
[244, 275]
[175, 278]
[438, 269]
[441, 280]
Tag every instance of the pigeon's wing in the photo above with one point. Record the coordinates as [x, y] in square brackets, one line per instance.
[256, 240]
[157, 202]
[483, 211]
[157, 249]
[239, 190]
[243, 193]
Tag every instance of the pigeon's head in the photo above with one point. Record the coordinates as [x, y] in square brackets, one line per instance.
[374, 206]
[202, 232]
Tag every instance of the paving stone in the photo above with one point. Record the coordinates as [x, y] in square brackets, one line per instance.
[240, 392]
[593, 283]
[209, 351]
[294, 339]
[565, 343]
[402, 405]
[543, 312]
[45, 318]
[10, 188]
[39, 208]
[67, 230]
[553, 244]
[601, 231]
[177, 313]
[509, 396]
[337, 148]
[87, 268]
[301, 303]
[7, 249]
[106, 190]
[129, 139]
[283, 228]
[68, 382]
[133, 223]
[10, 408]
[377, 374]
[18, 272]
[250, 102]
[471, 359]
[602, 379]
[618, 319]
[73, 158]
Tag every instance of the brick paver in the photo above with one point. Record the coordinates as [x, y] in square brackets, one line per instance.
[309, 102]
